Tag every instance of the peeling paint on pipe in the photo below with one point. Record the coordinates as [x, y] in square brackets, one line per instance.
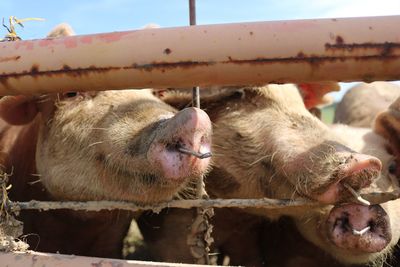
[347, 49]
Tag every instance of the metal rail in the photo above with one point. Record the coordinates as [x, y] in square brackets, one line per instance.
[347, 49]
[33, 259]
[266, 203]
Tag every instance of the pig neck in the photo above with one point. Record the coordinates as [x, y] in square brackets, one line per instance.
[65, 231]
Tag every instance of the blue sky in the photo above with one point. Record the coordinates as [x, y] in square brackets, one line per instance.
[93, 16]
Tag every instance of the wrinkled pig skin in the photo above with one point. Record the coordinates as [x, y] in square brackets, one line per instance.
[111, 145]
[364, 101]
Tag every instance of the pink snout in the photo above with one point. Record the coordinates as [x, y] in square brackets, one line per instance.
[180, 146]
[359, 228]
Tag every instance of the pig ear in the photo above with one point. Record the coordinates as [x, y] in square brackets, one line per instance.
[178, 99]
[61, 30]
[387, 124]
[314, 92]
[18, 110]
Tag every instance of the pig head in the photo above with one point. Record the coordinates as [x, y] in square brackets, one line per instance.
[354, 233]
[360, 105]
[113, 145]
[267, 144]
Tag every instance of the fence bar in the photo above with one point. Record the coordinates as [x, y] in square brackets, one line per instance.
[265, 203]
[37, 259]
[345, 49]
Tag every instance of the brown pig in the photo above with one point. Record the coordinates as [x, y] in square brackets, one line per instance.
[266, 144]
[364, 101]
[111, 145]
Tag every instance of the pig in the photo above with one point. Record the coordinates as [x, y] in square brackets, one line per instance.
[113, 145]
[332, 228]
[338, 248]
[266, 144]
[266, 140]
[364, 101]
[322, 227]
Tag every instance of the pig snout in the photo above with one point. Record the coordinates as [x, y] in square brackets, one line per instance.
[182, 146]
[356, 172]
[359, 228]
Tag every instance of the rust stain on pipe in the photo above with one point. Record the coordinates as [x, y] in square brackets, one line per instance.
[384, 48]
[300, 58]
[14, 58]
[66, 70]
[166, 65]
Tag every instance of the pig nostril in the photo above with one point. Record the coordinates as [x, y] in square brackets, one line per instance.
[392, 168]
[372, 225]
[343, 223]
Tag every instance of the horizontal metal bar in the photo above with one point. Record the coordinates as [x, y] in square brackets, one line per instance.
[36, 259]
[266, 203]
[346, 49]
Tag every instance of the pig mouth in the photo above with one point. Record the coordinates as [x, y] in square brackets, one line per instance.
[348, 178]
[358, 228]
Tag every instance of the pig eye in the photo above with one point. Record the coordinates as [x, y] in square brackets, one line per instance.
[70, 94]
[392, 168]
[316, 112]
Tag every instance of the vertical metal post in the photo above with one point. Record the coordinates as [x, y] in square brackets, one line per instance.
[192, 19]
[199, 239]
[192, 12]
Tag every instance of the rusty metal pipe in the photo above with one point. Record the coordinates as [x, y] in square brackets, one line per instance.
[36, 259]
[347, 49]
